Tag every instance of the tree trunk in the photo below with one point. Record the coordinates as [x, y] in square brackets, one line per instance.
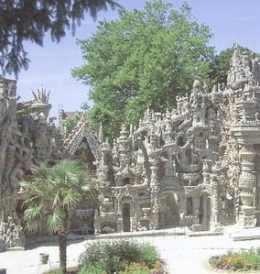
[63, 250]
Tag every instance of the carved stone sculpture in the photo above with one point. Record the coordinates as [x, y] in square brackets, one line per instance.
[197, 165]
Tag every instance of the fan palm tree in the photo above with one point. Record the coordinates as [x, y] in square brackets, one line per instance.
[55, 192]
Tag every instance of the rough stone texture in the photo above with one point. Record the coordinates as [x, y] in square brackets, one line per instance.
[196, 165]
[25, 138]
[28, 137]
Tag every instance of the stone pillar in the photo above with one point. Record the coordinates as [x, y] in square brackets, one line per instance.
[206, 172]
[120, 225]
[215, 202]
[204, 221]
[154, 222]
[247, 185]
[182, 208]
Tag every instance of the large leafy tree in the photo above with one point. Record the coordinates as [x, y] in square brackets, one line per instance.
[55, 192]
[29, 20]
[142, 59]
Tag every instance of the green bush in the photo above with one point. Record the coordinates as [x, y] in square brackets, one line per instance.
[148, 255]
[93, 254]
[119, 257]
[98, 268]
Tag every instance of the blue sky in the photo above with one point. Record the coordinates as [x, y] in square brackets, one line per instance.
[230, 21]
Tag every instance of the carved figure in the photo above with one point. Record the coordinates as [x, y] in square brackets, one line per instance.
[15, 178]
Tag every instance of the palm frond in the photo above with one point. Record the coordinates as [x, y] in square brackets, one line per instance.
[71, 199]
[31, 201]
[33, 226]
[55, 192]
[33, 212]
[34, 217]
[57, 200]
[55, 221]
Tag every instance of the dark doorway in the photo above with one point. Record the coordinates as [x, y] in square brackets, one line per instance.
[126, 217]
[169, 211]
[201, 209]
[189, 206]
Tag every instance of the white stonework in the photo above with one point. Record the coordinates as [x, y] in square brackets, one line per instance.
[196, 165]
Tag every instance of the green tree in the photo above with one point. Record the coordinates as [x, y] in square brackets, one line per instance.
[142, 59]
[55, 192]
[25, 20]
[69, 123]
[221, 64]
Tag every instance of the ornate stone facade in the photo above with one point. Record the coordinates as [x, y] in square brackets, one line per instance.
[196, 165]
[25, 137]
[28, 137]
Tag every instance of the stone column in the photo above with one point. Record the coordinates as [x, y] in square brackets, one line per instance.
[182, 208]
[218, 180]
[215, 202]
[204, 221]
[154, 222]
[247, 184]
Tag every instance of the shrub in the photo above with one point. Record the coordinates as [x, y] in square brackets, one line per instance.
[124, 250]
[98, 268]
[93, 254]
[149, 255]
[121, 256]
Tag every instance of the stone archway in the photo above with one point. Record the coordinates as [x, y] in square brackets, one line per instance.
[169, 211]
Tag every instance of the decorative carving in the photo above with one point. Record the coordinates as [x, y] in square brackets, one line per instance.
[175, 168]
[193, 152]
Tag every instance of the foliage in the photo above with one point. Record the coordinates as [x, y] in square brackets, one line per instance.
[69, 123]
[149, 253]
[55, 189]
[98, 268]
[85, 106]
[55, 192]
[104, 250]
[143, 59]
[221, 64]
[121, 256]
[55, 271]
[25, 20]
[235, 261]
[136, 268]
